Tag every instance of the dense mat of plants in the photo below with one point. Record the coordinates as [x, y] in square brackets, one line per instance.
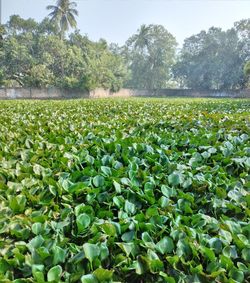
[137, 190]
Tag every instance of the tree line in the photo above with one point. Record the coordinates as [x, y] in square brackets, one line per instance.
[44, 54]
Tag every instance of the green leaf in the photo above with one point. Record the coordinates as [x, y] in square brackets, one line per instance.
[197, 269]
[37, 267]
[141, 265]
[246, 254]
[117, 187]
[168, 192]
[146, 237]
[208, 253]
[37, 228]
[106, 170]
[89, 278]
[126, 247]
[91, 251]
[216, 244]
[128, 236]
[130, 208]
[103, 275]
[75, 188]
[36, 242]
[165, 245]
[147, 240]
[59, 255]
[167, 278]
[104, 251]
[226, 262]
[39, 277]
[236, 274]
[230, 251]
[109, 229]
[54, 274]
[98, 181]
[226, 236]
[183, 248]
[83, 221]
[17, 203]
[175, 179]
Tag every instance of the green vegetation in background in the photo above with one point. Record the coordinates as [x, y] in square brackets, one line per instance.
[135, 190]
[215, 59]
[45, 54]
[151, 52]
[34, 55]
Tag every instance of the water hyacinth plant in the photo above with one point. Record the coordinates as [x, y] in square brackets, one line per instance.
[132, 190]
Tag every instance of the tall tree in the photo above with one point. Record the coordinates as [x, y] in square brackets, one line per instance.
[63, 13]
[150, 55]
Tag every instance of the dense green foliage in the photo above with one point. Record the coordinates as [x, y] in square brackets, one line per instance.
[34, 55]
[215, 59]
[45, 55]
[151, 54]
[148, 190]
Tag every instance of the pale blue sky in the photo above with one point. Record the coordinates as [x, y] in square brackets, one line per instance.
[116, 20]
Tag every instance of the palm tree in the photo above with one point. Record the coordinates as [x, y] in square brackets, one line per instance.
[141, 39]
[63, 13]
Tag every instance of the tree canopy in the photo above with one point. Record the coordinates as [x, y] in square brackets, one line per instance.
[34, 55]
[215, 59]
[41, 54]
[150, 55]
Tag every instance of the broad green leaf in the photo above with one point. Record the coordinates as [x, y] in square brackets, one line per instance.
[165, 245]
[236, 274]
[37, 228]
[91, 251]
[109, 229]
[130, 208]
[103, 275]
[246, 254]
[128, 236]
[168, 192]
[89, 278]
[54, 274]
[98, 181]
[117, 187]
[175, 179]
[208, 253]
[17, 203]
[82, 221]
[106, 170]
[59, 255]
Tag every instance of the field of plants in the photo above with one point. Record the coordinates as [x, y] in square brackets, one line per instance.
[132, 190]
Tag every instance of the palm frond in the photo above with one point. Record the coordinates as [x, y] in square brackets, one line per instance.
[72, 20]
[74, 11]
[51, 7]
[63, 13]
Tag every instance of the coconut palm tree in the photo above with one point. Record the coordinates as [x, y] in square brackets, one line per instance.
[63, 13]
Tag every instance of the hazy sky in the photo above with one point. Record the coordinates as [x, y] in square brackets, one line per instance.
[116, 20]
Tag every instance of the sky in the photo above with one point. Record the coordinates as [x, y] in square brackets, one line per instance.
[117, 20]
